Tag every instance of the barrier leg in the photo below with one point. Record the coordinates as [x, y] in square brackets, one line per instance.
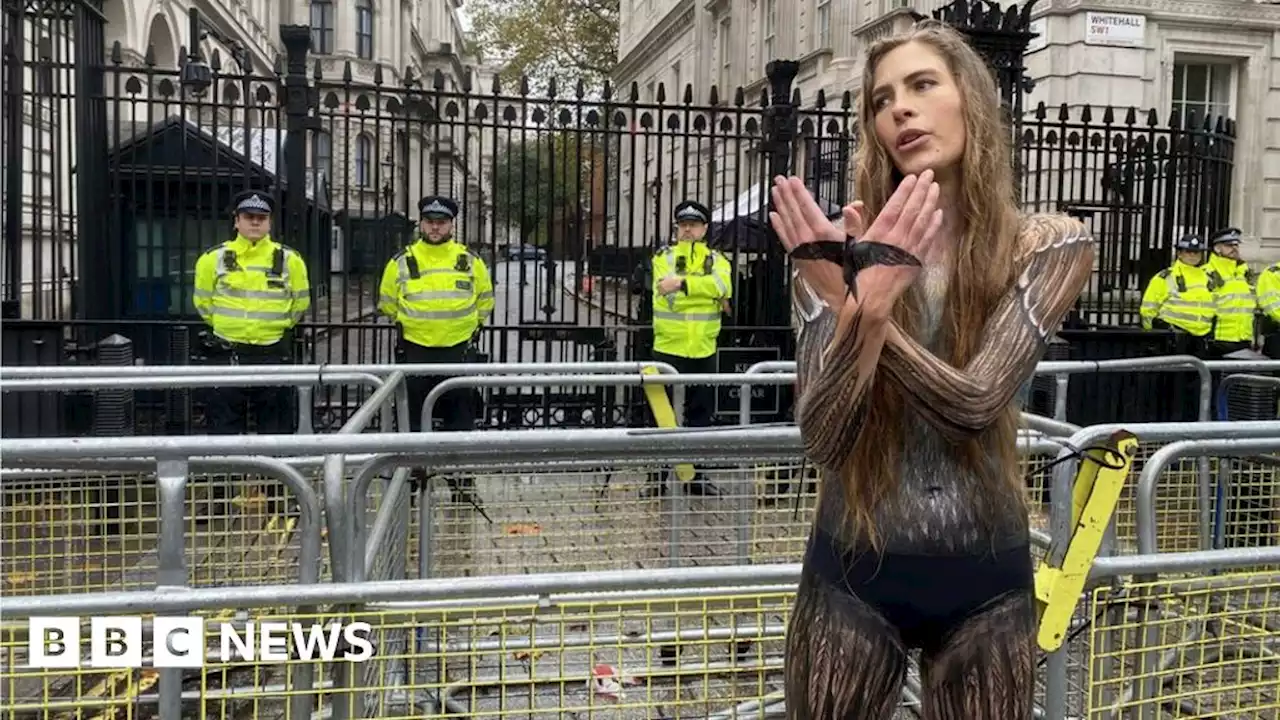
[171, 476]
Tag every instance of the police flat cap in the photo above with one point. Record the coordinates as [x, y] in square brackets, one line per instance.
[1227, 235]
[438, 206]
[255, 202]
[1190, 242]
[690, 210]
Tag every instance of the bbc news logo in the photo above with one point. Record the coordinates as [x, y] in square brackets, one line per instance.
[118, 643]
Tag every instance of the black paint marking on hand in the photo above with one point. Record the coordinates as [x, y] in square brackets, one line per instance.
[855, 256]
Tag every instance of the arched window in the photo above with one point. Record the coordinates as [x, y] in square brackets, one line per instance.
[364, 161]
[364, 29]
[322, 155]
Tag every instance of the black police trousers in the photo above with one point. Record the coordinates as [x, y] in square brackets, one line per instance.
[1187, 344]
[1219, 349]
[456, 408]
[227, 409]
[699, 400]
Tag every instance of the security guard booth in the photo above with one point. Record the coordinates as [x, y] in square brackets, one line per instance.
[439, 294]
[1235, 303]
[251, 291]
[692, 288]
[1178, 299]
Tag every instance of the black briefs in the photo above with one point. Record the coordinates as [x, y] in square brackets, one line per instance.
[925, 597]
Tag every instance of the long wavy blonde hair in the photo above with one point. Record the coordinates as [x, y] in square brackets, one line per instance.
[983, 271]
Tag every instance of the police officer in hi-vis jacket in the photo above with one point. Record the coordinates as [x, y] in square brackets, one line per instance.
[692, 286]
[1178, 298]
[251, 291]
[439, 293]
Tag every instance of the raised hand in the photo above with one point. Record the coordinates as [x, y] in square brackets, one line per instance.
[911, 218]
[908, 225]
[797, 218]
[809, 237]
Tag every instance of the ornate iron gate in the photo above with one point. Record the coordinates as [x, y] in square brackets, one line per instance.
[565, 192]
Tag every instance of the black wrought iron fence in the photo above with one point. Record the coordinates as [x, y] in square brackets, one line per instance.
[566, 192]
[1138, 182]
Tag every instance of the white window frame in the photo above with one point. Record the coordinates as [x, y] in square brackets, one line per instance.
[322, 14]
[725, 53]
[768, 32]
[365, 30]
[822, 24]
[1227, 64]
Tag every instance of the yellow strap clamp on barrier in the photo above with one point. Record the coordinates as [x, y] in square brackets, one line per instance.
[1103, 470]
[664, 415]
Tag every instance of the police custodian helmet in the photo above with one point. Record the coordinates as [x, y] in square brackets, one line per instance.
[252, 202]
[1191, 242]
[438, 207]
[692, 211]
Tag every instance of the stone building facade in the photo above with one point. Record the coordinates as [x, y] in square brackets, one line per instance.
[370, 165]
[1175, 56]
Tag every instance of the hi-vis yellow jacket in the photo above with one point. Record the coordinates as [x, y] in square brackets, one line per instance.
[1231, 283]
[251, 292]
[438, 294]
[1269, 293]
[686, 323]
[1180, 296]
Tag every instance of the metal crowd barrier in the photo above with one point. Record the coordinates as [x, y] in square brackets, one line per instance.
[549, 447]
[34, 372]
[536, 643]
[676, 380]
[1188, 523]
[279, 376]
[23, 377]
[1060, 529]
[253, 542]
[394, 684]
[784, 477]
[1062, 370]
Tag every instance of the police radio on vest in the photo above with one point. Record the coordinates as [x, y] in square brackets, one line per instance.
[183, 642]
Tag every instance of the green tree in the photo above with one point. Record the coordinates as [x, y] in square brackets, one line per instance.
[541, 187]
[574, 39]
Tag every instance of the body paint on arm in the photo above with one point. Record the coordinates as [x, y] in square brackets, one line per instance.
[961, 402]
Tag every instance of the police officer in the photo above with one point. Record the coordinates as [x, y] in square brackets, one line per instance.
[251, 291]
[1268, 292]
[1231, 282]
[439, 293]
[692, 286]
[1178, 299]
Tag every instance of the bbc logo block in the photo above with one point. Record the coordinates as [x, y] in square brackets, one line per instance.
[182, 642]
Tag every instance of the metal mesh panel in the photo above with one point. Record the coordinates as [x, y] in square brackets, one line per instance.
[389, 563]
[72, 532]
[1192, 647]
[637, 654]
